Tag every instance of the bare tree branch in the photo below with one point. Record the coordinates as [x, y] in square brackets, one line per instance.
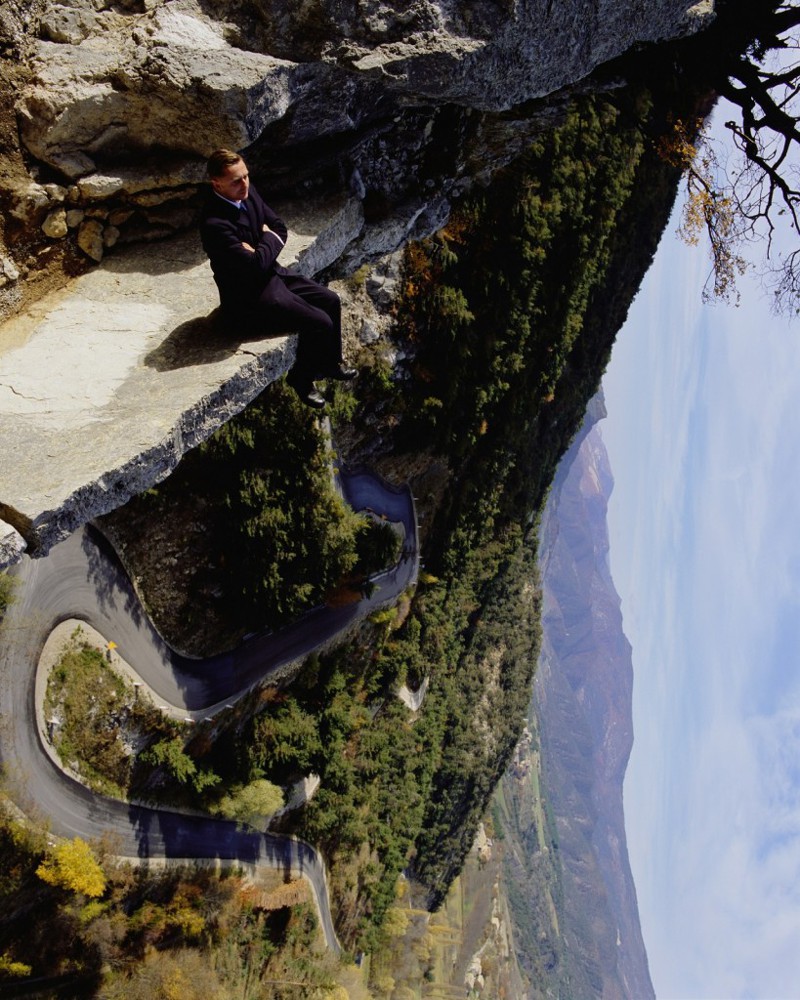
[757, 194]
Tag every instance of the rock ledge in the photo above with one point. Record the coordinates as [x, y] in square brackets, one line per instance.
[104, 385]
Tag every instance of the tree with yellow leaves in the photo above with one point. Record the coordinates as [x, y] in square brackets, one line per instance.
[334, 993]
[709, 206]
[72, 865]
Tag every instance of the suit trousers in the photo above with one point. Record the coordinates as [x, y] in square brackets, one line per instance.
[293, 302]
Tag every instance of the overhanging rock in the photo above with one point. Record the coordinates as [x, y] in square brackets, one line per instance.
[105, 384]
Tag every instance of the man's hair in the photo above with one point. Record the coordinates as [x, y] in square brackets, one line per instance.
[220, 160]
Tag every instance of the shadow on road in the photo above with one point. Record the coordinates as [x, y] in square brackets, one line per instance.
[113, 590]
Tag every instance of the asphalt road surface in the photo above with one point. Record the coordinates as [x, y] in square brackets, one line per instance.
[81, 578]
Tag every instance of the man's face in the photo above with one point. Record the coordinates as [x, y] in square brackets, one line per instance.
[234, 184]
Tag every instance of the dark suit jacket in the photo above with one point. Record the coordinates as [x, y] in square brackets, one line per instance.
[243, 278]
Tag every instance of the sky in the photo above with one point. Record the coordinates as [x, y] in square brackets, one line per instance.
[703, 436]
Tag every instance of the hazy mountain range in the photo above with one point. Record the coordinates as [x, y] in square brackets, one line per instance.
[581, 718]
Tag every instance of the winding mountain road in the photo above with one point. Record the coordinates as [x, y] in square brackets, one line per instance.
[82, 579]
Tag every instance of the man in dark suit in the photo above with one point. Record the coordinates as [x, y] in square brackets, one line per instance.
[243, 238]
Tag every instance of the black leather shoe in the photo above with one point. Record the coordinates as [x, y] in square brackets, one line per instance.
[307, 391]
[312, 397]
[340, 373]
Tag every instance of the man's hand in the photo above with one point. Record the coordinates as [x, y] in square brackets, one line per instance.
[248, 247]
[265, 229]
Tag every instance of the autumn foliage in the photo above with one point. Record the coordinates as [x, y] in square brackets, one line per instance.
[72, 865]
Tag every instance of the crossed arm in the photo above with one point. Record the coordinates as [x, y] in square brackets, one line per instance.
[236, 258]
[230, 254]
[264, 229]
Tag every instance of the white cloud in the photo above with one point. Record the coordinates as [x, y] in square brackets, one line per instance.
[737, 896]
[729, 915]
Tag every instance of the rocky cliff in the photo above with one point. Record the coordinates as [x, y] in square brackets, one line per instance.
[109, 108]
[117, 104]
[118, 101]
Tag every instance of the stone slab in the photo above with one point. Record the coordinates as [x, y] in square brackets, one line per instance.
[105, 384]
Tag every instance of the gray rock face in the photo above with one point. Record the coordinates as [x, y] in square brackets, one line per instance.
[12, 544]
[167, 80]
[390, 109]
[100, 77]
[123, 103]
